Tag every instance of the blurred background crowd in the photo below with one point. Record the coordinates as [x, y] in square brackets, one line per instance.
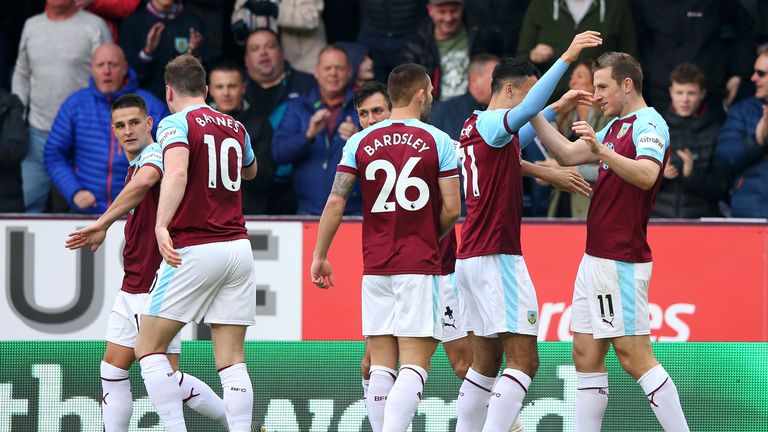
[288, 70]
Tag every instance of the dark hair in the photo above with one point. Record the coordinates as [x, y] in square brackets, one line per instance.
[129, 100]
[225, 65]
[622, 66]
[513, 70]
[333, 47]
[481, 59]
[404, 81]
[186, 75]
[688, 73]
[370, 88]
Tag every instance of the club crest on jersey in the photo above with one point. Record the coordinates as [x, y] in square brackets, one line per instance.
[623, 130]
[532, 316]
[610, 146]
[181, 44]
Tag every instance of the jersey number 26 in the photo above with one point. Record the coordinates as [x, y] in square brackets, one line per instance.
[400, 182]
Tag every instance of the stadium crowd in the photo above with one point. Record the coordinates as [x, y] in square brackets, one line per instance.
[288, 70]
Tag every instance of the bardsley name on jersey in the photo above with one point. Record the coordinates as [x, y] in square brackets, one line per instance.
[403, 138]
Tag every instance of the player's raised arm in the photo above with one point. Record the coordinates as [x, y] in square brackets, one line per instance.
[322, 273]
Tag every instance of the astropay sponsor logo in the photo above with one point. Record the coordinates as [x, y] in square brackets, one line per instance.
[555, 322]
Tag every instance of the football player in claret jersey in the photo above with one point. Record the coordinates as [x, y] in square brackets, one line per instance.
[501, 309]
[410, 191]
[132, 128]
[207, 273]
[610, 298]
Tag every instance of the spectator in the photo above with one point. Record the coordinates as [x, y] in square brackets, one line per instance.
[13, 147]
[112, 11]
[226, 87]
[302, 32]
[444, 44]
[155, 34]
[271, 80]
[449, 116]
[742, 148]
[503, 15]
[82, 156]
[693, 183]
[215, 15]
[689, 31]
[261, 195]
[54, 53]
[361, 61]
[385, 27]
[563, 204]
[314, 130]
[549, 26]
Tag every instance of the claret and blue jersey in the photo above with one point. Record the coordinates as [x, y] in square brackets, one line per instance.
[399, 163]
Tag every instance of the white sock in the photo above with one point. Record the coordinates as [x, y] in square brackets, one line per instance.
[238, 397]
[116, 398]
[506, 401]
[201, 398]
[381, 382]
[404, 398]
[472, 403]
[163, 391]
[366, 383]
[662, 394]
[591, 400]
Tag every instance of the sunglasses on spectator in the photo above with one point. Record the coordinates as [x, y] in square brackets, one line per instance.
[761, 73]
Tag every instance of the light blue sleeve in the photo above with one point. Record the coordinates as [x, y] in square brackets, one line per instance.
[349, 151]
[152, 155]
[446, 153]
[536, 98]
[527, 133]
[173, 129]
[491, 127]
[249, 155]
[651, 136]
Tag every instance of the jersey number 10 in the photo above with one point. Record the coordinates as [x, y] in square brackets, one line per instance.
[223, 159]
[400, 183]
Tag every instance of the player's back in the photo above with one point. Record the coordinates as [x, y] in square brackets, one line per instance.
[399, 163]
[211, 209]
[619, 211]
[141, 257]
[492, 187]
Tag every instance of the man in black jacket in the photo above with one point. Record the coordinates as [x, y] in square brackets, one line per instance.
[13, 148]
[693, 181]
[444, 44]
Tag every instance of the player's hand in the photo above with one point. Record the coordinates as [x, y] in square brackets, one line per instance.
[587, 39]
[93, 235]
[731, 88]
[84, 199]
[347, 128]
[550, 163]
[195, 40]
[322, 273]
[687, 157]
[572, 99]
[541, 53]
[165, 244]
[587, 134]
[568, 180]
[317, 122]
[670, 171]
[153, 37]
[761, 131]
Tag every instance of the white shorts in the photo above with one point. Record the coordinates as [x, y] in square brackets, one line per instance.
[214, 283]
[451, 309]
[610, 298]
[123, 324]
[401, 305]
[498, 295]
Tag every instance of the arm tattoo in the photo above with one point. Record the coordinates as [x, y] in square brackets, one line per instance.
[343, 184]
